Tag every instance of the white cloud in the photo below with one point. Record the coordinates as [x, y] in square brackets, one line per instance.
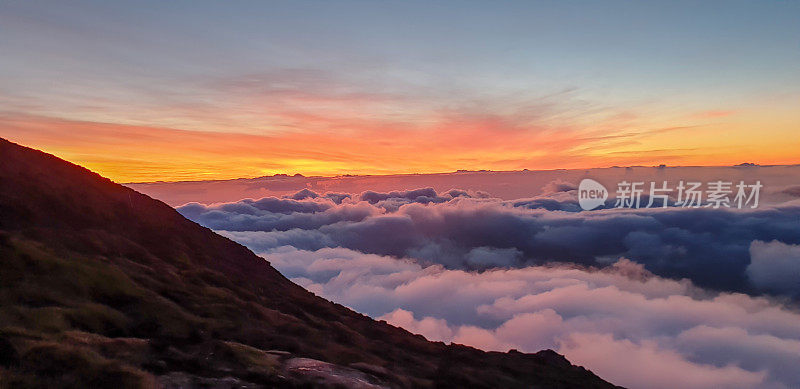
[625, 324]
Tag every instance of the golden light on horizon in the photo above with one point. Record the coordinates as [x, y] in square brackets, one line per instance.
[127, 153]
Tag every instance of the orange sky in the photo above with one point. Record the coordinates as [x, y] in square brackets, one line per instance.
[130, 153]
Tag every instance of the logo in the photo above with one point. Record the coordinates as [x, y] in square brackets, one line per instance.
[591, 194]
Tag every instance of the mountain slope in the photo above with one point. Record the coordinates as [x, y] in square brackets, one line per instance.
[103, 286]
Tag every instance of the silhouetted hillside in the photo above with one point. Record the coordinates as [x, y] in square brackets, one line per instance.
[101, 286]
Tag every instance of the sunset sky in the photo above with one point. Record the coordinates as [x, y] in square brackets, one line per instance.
[199, 90]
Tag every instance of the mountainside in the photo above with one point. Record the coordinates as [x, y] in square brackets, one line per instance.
[103, 286]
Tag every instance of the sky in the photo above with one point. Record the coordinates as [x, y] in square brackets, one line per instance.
[193, 90]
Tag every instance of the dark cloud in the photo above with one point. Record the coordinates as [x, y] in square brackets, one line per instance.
[304, 194]
[775, 267]
[338, 198]
[392, 201]
[424, 195]
[272, 213]
[548, 203]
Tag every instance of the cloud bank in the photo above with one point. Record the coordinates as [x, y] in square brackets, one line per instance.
[471, 231]
[692, 298]
[660, 332]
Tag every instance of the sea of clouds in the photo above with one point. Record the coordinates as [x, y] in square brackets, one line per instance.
[674, 297]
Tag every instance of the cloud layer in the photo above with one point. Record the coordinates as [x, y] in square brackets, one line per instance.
[692, 298]
[471, 231]
[660, 332]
